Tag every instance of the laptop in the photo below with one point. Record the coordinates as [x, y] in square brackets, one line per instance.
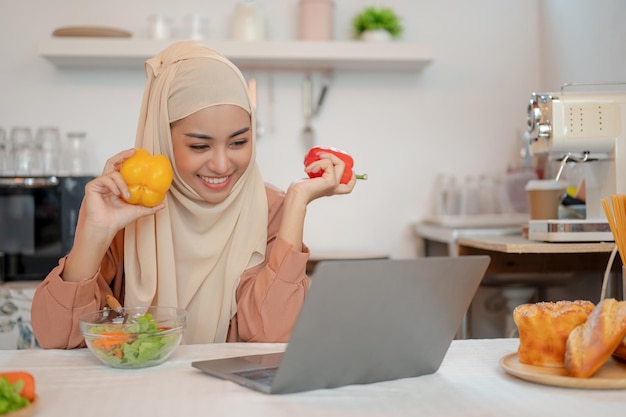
[365, 321]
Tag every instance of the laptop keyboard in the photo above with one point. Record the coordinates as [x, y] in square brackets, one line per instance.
[262, 376]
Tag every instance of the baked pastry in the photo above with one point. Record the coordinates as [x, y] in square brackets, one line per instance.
[544, 327]
[620, 351]
[590, 345]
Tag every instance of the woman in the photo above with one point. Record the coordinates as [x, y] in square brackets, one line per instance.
[223, 245]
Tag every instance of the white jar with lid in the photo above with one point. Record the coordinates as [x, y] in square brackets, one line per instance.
[248, 22]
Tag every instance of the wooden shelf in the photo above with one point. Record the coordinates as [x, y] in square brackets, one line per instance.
[271, 55]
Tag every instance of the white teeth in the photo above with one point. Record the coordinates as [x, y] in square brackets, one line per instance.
[214, 180]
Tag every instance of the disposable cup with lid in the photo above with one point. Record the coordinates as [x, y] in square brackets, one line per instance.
[544, 198]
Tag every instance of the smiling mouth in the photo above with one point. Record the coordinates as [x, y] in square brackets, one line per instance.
[214, 180]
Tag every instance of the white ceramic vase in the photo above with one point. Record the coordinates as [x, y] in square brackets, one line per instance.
[376, 35]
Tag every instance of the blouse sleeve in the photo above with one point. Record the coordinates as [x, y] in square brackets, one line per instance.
[270, 295]
[57, 304]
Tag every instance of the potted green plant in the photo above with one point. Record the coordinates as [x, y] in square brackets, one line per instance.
[377, 24]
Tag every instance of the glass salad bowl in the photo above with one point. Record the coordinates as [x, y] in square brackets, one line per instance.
[133, 337]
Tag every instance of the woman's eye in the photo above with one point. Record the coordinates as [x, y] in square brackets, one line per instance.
[239, 143]
[199, 147]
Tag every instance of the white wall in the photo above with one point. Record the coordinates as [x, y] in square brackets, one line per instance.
[464, 114]
[582, 42]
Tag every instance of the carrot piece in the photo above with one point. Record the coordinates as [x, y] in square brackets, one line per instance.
[112, 339]
[28, 390]
[118, 352]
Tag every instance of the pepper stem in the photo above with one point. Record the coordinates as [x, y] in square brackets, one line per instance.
[361, 176]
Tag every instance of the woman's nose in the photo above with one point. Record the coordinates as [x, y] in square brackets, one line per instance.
[219, 162]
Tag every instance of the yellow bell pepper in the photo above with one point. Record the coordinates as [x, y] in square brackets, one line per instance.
[148, 177]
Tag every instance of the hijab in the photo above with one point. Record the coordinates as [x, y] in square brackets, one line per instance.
[192, 253]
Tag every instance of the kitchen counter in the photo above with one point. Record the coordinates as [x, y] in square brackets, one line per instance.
[516, 254]
[519, 244]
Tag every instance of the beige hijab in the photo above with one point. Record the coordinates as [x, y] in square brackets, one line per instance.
[192, 253]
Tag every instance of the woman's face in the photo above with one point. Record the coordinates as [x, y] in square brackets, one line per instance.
[212, 149]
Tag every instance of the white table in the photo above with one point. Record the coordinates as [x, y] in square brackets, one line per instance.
[470, 382]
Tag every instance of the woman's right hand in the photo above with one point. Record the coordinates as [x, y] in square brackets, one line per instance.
[102, 215]
[104, 206]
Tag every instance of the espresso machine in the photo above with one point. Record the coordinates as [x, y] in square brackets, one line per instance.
[583, 123]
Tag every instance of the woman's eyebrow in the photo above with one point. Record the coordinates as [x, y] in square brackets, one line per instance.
[239, 132]
[205, 136]
[198, 135]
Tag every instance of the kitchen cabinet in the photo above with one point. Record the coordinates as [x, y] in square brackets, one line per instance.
[69, 52]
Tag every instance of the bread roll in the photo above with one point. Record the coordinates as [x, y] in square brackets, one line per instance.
[620, 351]
[592, 343]
[544, 327]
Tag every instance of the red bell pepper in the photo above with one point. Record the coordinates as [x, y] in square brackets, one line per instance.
[314, 155]
[26, 380]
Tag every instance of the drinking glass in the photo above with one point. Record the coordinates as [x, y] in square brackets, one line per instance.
[196, 26]
[5, 156]
[48, 144]
[75, 162]
[160, 27]
[24, 151]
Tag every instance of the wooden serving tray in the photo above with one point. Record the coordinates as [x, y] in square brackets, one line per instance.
[91, 32]
[612, 375]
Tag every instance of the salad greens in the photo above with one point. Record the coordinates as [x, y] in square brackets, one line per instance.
[10, 398]
[134, 345]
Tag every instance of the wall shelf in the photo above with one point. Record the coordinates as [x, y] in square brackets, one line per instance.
[70, 52]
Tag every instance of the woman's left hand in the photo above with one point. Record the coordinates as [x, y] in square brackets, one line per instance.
[302, 192]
